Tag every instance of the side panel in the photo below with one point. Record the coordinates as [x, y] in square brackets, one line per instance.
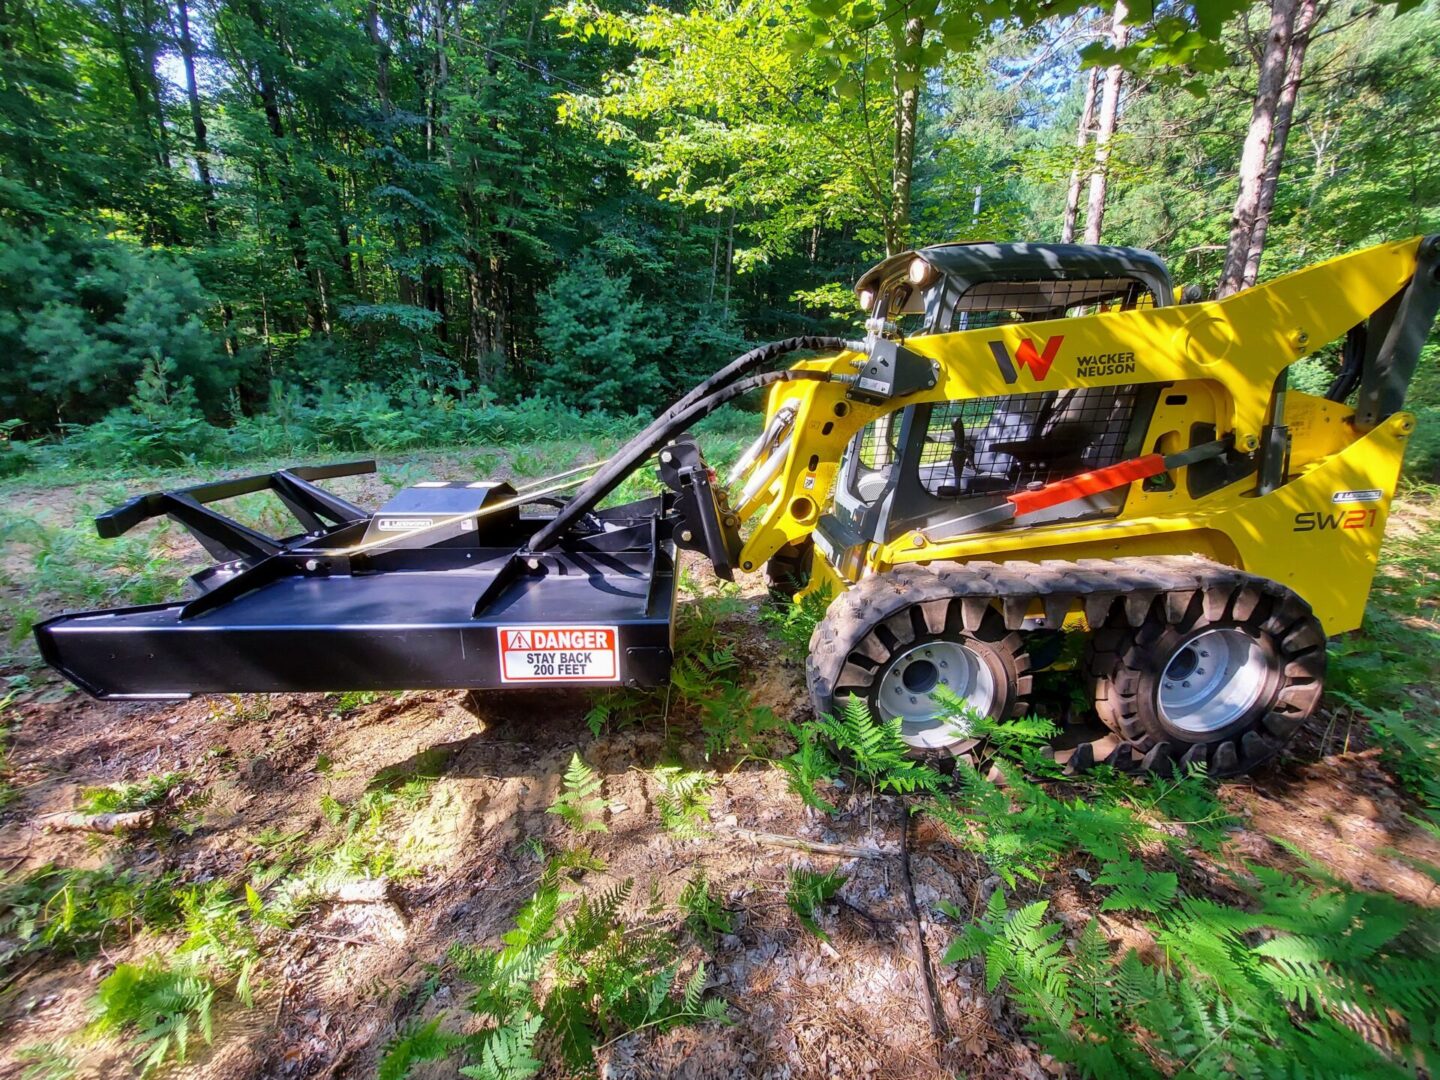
[1320, 534]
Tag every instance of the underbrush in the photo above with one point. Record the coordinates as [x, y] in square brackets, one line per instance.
[1250, 970]
[359, 419]
[1386, 675]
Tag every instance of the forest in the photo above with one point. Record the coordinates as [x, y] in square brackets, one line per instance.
[230, 229]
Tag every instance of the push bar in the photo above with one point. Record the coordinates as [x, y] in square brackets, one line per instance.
[127, 515]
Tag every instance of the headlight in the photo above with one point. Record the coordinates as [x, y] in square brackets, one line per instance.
[867, 298]
[921, 272]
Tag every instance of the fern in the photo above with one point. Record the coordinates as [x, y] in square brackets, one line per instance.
[807, 893]
[875, 752]
[1307, 985]
[579, 802]
[582, 981]
[159, 1006]
[1136, 888]
[683, 800]
[793, 624]
[809, 765]
[416, 1044]
[705, 915]
[507, 1052]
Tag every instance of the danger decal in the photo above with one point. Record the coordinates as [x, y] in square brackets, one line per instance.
[559, 654]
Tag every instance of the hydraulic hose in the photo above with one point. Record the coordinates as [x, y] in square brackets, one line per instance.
[665, 427]
[763, 354]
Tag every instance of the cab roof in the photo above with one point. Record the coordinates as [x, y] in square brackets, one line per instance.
[967, 264]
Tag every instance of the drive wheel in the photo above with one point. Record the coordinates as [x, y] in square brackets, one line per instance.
[1222, 677]
[898, 638]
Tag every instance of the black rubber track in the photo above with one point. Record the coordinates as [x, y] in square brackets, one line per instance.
[1116, 595]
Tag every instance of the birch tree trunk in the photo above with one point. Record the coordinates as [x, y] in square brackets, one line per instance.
[1109, 116]
[1275, 157]
[1257, 144]
[1082, 140]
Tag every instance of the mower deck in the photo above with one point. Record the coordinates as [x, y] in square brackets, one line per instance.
[312, 617]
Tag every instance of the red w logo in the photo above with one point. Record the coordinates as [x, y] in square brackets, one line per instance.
[1026, 357]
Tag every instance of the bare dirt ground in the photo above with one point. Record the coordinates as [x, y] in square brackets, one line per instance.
[335, 989]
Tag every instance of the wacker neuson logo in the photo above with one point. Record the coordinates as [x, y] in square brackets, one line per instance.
[1101, 364]
[1026, 357]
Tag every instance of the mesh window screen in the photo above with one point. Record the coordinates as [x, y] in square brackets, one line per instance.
[1001, 445]
[1003, 303]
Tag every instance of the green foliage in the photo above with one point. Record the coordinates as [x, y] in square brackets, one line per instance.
[809, 765]
[1304, 986]
[583, 981]
[159, 1006]
[705, 915]
[808, 892]
[221, 931]
[151, 792]
[415, 1045]
[602, 349]
[76, 911]
[707, 680]
[47, 1061]
[874, 752]
[793, 624]
[579, 802]
[683, 800]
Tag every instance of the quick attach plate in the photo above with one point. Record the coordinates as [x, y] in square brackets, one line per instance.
[892, 371]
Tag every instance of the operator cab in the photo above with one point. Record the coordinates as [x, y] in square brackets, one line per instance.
[923, 465]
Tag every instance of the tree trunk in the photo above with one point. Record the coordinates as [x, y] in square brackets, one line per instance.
[200, 143]
[1082, 139]
[1275, 157]
[197, 118]
[907, 111]
[382, 57]
[1109, 116]
[1257, 143]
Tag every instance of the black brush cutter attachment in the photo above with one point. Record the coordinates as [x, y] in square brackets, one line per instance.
[435, 589]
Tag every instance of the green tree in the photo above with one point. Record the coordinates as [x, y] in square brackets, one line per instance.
[603, 352]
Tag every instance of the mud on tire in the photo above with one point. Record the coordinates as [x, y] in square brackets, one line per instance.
[1222, 676]
[877, 632]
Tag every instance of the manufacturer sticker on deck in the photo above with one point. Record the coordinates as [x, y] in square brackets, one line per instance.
[559, 654]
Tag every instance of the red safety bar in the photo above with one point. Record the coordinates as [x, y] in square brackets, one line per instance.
[1089, 483]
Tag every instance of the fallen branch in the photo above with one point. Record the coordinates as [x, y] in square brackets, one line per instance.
[814, 847]
[114, 824]
[934, 1011]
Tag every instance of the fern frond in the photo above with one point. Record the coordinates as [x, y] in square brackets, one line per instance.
[579, 802]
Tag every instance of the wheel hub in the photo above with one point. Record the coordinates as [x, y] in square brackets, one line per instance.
[1211, 681]
[908, 688]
